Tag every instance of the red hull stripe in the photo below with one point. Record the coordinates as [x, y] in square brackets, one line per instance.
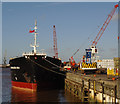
[68, 68]
[32, 86]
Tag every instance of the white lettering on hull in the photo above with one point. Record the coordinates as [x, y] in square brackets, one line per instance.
[15, 67]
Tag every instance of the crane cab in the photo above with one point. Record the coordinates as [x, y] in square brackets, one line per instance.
[94, 49]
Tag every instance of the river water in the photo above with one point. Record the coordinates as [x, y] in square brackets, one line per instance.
[11, 94]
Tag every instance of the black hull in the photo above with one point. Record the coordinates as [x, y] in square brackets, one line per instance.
[38, 70]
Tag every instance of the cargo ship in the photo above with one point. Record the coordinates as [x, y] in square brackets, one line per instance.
[36, 70]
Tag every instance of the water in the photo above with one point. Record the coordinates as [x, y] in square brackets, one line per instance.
[11, 94]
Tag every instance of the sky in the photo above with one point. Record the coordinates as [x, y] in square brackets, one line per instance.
[77, 24]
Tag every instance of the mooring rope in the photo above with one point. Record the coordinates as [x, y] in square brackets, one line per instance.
[53, 64]
[45, 67]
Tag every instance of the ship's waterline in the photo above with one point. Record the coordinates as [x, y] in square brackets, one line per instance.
[17, 94]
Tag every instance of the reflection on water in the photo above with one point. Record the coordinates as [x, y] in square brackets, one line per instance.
[21, 95]
[6, 85]
[13, 94]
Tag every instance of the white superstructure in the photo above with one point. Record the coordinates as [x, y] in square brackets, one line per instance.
[35, 45]
[105, 63]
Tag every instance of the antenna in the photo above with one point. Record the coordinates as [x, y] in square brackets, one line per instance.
[35, 40]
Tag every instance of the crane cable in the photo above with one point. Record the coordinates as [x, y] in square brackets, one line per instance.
[87, 38]
[93, 32]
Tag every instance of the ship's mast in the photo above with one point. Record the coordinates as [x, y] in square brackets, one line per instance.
[35, 40]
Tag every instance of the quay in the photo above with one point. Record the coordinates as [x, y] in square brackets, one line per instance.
[4, 65]
[93, 87]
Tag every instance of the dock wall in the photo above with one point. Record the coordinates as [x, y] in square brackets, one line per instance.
[90, 89]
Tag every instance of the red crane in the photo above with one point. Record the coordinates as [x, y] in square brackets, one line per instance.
[55, 42]
[100, 33]
[72, 61]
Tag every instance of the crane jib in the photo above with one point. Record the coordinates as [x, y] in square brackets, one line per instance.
[104, 26]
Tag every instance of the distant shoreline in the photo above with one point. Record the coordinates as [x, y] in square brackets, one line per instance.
[4, 66]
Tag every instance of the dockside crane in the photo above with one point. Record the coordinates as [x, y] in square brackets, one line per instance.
[90, 53]
[100, 33]
[55, 42]
[89, 58]
[104, 26]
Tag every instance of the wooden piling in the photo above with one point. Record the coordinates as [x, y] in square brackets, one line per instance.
[82, 87]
